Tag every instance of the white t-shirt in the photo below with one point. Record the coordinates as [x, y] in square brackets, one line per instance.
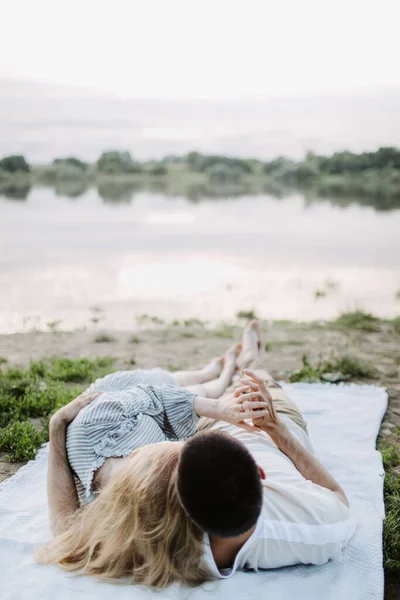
[300, 522]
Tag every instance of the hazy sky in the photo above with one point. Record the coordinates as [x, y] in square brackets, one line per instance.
[202, 48]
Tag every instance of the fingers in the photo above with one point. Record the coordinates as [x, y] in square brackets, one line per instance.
[249, 396]
[249, 383]
[241, 390]
[252, 376]
[255, 414]
[247, 426]
[85, 399]
[253, 405]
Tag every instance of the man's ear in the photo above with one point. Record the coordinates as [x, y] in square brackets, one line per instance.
[262, 472]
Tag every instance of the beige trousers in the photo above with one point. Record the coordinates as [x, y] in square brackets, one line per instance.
[283, 404]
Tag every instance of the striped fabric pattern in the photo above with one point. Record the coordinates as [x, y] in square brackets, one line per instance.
[136, 408]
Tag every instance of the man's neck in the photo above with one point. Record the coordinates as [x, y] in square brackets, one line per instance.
[225, 550]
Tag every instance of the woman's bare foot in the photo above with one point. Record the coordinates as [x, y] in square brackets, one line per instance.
[214, 367]
[231, 357]
[252, 345]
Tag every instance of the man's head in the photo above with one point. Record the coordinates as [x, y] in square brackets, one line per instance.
[219, 484]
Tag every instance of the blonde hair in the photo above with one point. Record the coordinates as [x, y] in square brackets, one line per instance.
[136, 527]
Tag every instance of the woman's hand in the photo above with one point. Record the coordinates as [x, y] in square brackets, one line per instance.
[65, 415]
[240, 407]
[270, 420]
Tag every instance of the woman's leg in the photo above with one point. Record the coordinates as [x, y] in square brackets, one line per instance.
[217, 387]
[207, 373]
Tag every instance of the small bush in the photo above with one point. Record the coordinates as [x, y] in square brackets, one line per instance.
[248, 315]
[358, 320]
[117, 162]
[12, 164]
[134, 340]
[21, 441]
[71, 161]
[158, 170]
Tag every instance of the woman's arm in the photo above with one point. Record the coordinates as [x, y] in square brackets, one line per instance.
[61, 490]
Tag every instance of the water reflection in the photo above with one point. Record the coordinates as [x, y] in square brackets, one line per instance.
[123, 192]
[170, 255]
[14, 191]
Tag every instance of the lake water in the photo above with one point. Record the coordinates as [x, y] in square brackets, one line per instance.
[78, 259]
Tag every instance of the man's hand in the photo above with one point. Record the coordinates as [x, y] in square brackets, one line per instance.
[269, 421]
[65, 415]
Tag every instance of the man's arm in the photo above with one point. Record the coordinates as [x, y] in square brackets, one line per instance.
[61, 490]
[287, 443]
[303, 460]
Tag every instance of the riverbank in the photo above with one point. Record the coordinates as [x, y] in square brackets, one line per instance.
[362, 350]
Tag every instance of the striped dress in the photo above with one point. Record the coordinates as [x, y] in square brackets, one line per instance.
[136, 408]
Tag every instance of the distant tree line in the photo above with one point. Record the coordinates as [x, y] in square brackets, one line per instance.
[122, 162]
[372, 174]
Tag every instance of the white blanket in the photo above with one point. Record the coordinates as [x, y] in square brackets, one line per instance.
[343, 423]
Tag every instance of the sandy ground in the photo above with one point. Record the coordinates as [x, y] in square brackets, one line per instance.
[191, 347]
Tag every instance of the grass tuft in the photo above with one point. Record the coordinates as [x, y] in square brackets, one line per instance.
[172, 367]
[339, 368]
[396, 324]
[225, 331]
[358, 320]
[104, 338]
[271, 344]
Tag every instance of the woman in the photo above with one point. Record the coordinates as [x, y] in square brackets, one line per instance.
[115, 451]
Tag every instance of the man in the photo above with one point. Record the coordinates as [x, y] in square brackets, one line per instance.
[263, 498]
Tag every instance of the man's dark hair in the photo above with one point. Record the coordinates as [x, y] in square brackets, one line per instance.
[219, 484]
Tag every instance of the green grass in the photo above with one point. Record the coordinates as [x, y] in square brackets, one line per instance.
[37, 392]
[396, 324]
[104, 338]
[193, 323]
[134, 340]
[391, 527]
[271, 344]
[358, 320]
[225, 331]
[173, 367]
[335, 369]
